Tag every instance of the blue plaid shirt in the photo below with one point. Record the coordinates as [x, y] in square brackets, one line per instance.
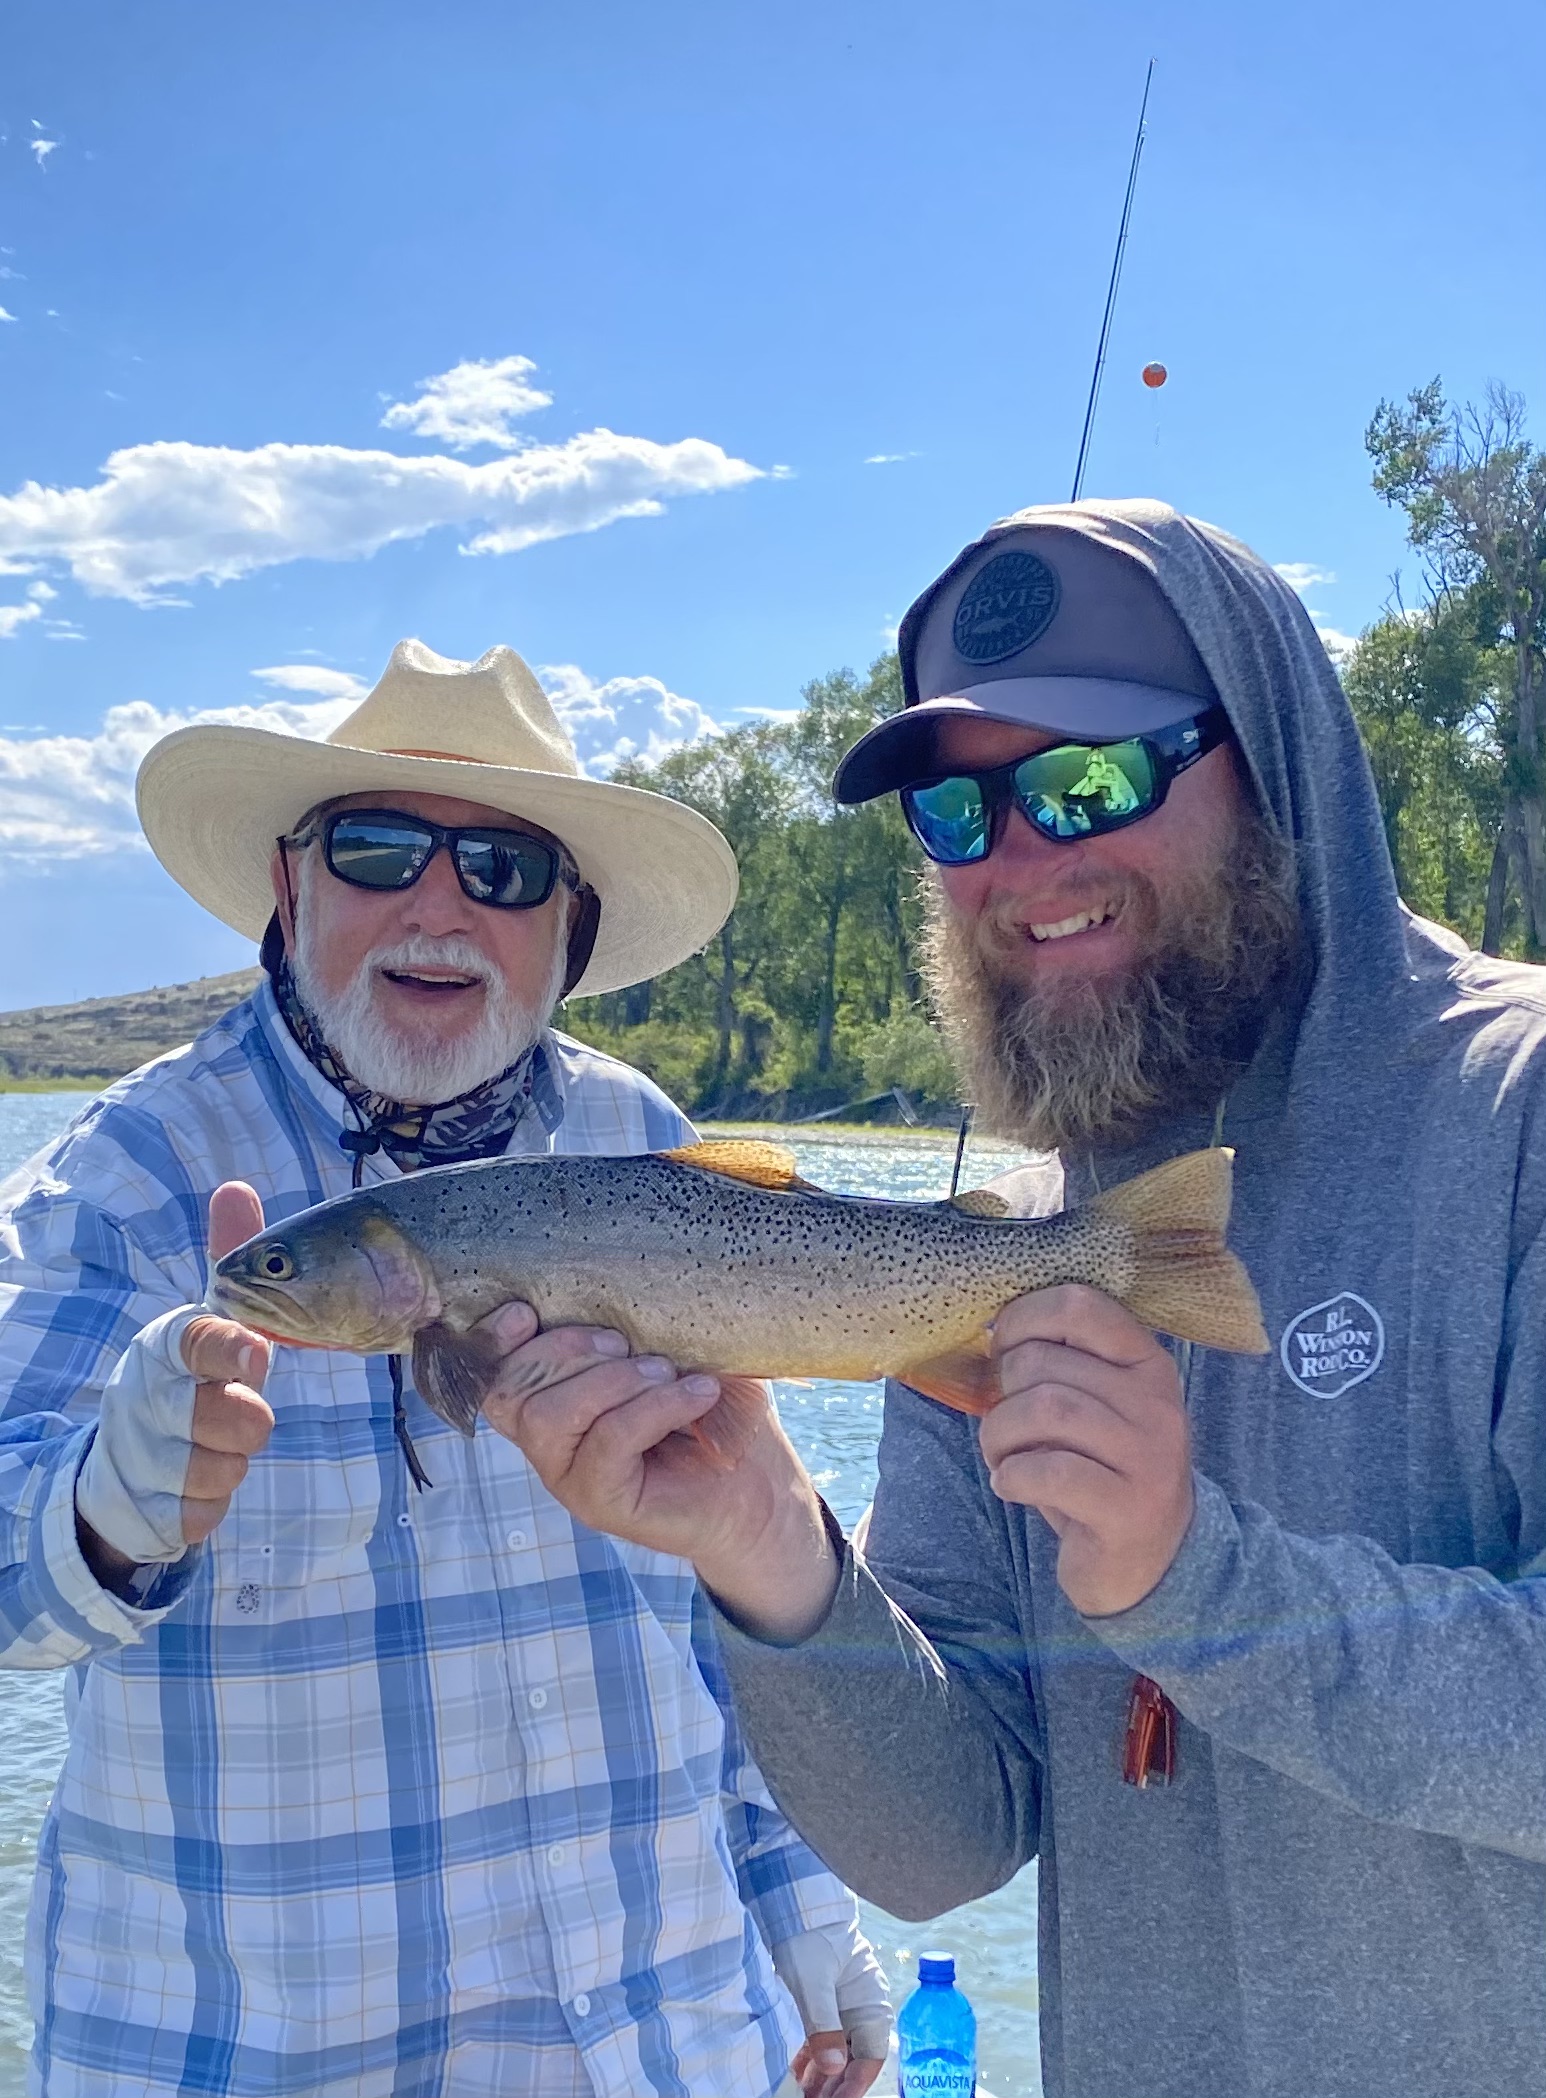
[381, 1792]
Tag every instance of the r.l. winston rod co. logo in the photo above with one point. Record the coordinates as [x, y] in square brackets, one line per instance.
[1333, 1346]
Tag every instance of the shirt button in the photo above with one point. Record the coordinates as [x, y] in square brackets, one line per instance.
[556, 1857]
[582, 2006]
[537, 1700]
[516, 1539]
[405, 1522]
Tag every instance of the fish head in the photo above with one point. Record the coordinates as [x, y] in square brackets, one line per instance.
[340, 1276]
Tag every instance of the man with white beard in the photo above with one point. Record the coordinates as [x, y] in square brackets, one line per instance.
[385, 1776]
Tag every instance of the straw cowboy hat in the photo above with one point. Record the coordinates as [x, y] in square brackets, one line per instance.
[213, 799]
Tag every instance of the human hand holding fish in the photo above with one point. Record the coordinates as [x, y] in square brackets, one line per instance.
[180, 1419]
[605, 1431]
[1092, 1432]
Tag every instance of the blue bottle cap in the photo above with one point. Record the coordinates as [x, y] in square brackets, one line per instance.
[936, 1966]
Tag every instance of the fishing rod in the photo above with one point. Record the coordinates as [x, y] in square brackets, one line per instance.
[1111, 293]
[1084, 442]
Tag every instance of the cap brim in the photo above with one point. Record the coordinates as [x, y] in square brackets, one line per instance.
[213, 798]
[903, 748]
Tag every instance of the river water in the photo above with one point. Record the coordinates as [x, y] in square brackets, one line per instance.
[835, 1427]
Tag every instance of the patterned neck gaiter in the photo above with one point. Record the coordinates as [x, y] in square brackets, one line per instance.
[478, 1124]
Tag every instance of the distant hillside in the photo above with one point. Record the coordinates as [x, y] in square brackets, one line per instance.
[104, 1037]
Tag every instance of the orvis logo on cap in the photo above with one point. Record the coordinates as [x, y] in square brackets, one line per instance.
[1004, 607]
[1333, 1346]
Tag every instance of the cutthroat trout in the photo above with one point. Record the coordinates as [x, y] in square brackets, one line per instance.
[721, 1257]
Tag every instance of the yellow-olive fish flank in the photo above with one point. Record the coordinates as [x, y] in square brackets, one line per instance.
[720, 1257]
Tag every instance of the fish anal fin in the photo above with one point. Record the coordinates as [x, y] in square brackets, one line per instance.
[1188, 1283]
[742, 1158]
[965, 1379]
[726, 1431]
[980, 1202]
[453, 1371]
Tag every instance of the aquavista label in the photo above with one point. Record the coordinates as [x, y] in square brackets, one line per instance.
[938, 2074]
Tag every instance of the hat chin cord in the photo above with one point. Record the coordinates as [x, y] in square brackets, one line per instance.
[582, 935]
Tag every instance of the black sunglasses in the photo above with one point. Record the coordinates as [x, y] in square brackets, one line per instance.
[387, 849]
[1072, 791]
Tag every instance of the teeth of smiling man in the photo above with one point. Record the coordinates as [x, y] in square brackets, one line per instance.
[1064, 926]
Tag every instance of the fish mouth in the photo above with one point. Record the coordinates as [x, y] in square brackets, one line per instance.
[1077, 922]
[268, 1312]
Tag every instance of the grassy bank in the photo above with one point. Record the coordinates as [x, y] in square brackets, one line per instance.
[54, 1085]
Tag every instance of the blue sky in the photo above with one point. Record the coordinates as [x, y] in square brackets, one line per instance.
[818, 284]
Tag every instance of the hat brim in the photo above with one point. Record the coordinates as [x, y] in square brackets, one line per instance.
[213, 799]
[902, 749]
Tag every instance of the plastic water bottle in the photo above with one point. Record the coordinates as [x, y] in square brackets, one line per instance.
[936, 2033]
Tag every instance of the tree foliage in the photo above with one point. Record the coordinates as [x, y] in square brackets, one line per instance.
[1474, 491]
[809, 997]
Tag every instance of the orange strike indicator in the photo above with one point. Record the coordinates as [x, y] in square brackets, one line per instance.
[1155, 375]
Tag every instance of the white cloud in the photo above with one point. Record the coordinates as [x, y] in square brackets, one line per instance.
[14, 616]
[889, 458]
[72, 797]
[178, 513]
[315, 678]
[626, 717]
[1339, 646]
[472, 404]
[4, 316]
[1302, 575]
[43, 147]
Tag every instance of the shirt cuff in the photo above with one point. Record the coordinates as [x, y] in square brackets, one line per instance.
[75, 1599]
[1178, 1628]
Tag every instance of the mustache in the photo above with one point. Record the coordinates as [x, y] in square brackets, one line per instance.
[422, 951]
[1005, 923]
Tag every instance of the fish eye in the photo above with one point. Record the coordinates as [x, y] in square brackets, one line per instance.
[276, 1264]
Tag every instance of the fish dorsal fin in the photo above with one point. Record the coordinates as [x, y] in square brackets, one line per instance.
[741, 1158]
[980, 1202]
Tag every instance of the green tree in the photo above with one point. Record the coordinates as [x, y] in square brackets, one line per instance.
[1426, 693]
[1474, 491]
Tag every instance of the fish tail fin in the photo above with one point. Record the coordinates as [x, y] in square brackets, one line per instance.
[1189, 1283]
[725, 1432]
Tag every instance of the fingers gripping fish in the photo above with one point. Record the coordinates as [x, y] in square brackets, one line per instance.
[719, 1256]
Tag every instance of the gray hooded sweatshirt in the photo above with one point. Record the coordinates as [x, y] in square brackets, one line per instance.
[1343, 1894]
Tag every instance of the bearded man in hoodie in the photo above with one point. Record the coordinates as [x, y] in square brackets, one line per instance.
[1305, 1587]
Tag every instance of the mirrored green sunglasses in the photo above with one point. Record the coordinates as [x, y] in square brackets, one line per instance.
[1072, 791]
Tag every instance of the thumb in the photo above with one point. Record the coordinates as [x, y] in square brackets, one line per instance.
[235, 1215]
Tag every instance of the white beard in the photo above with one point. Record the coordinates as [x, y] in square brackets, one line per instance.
[419, 1069]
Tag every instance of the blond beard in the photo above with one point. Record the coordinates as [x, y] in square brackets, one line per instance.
[1061, 1065]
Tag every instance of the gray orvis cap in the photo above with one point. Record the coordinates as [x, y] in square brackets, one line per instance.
[1037, 625]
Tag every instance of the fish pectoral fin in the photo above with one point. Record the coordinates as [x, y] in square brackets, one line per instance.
[453, 1371]
[726, 1431]
[965, 1379]
[980, 1202]
[737, 1158]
